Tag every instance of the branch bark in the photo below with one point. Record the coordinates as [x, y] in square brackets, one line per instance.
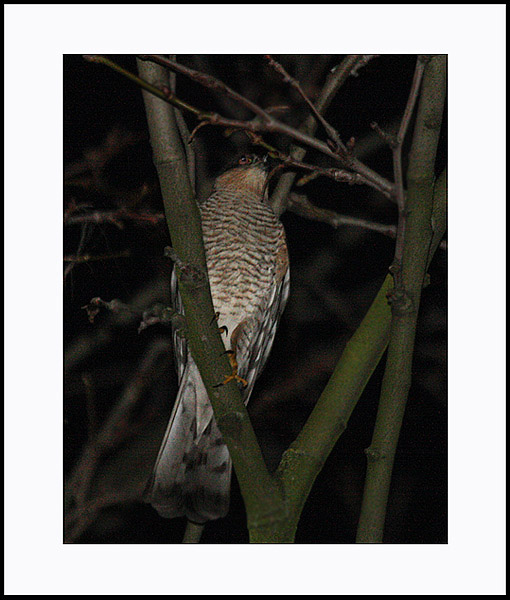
[405, 304]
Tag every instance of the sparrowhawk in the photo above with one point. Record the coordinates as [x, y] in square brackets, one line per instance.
[248, 269]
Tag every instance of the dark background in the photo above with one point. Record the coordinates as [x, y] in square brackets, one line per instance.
[335, 274]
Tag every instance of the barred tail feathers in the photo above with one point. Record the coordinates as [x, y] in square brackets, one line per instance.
[193, 469]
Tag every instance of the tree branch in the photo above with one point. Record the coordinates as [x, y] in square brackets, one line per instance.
[274, 503]
[396, 145]
[416, 252]
[81, 508]
[331, 131]
[266, 123]
[300, 205]
[302, 462]
[338, 76]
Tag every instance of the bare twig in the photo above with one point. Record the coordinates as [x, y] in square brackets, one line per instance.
[115, 217]
[349, 66]
[331, 131]
[208, 81]
[289, 161]
[364, 59]
[266, 123]
[81, 244]
[96, 304]
[338, 76]
[83, 346]
[114, 432]
[300, 205]
[165, 315]
[82, 258]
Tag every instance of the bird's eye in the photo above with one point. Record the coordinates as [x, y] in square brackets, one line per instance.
[245, 160]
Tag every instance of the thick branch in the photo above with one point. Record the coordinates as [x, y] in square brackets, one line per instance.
[405, 305]
[302, 462]
[397, 169]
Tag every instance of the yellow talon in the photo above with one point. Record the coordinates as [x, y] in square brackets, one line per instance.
[233, 376]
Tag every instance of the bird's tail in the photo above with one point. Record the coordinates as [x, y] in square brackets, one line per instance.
[193, 469]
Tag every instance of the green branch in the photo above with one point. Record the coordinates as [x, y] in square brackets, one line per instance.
[304, 459]
[405, 303]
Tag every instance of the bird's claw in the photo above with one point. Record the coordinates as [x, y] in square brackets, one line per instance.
[233, 376]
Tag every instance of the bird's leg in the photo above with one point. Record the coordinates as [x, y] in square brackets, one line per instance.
[233, 376]
[232, 358]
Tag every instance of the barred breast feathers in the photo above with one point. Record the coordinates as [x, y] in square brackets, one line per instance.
[242, 237]
[247, 262]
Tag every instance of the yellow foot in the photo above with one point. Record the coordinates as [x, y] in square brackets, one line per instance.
[234, 376]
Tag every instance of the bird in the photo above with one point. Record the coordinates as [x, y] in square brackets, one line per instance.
[248, 269]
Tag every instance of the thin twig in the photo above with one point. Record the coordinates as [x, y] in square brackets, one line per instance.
[115, 217]
[85, 345]
[115, 431]
[337, 77]
[267, 122]
[300, 205]
[82, 258]
[208, 81]
[362, 62]
[71, 264]
[289, 161]
[287, 78]
[94, 307]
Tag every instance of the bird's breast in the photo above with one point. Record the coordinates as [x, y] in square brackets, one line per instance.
[244, 242]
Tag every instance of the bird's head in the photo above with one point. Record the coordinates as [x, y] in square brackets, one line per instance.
[249, 171]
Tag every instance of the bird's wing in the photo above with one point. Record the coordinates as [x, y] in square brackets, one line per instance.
[179, 341]
[258, 345]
